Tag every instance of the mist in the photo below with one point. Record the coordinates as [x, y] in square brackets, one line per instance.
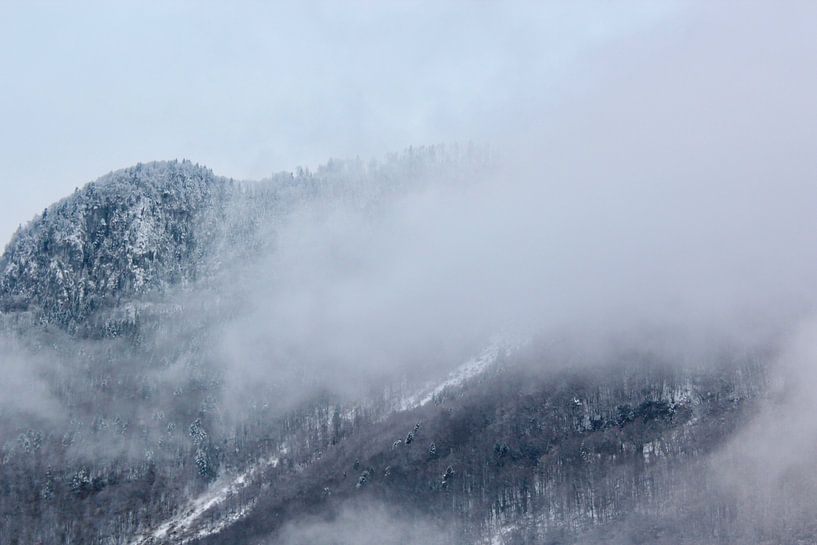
[667, 205]
[646, 189]
[23, 390]
[250, 89]
[364, 524]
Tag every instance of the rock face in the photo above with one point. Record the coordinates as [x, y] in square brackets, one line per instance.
[141, 451]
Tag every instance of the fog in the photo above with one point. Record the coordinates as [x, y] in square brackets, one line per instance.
[253, 88]
[660, 199]
[23, 391]
[765, 466]
[364, 524]
[669, 205]
[666, 208]
[651, 189]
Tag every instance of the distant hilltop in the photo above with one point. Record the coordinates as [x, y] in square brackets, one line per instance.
[144, 228]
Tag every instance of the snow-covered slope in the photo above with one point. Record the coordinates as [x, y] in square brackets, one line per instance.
[191, 521]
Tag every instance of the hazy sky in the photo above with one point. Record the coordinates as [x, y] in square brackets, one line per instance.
[249, 88]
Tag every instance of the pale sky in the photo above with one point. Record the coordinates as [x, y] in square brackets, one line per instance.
[251, 88]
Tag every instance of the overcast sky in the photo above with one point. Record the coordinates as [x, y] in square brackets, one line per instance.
[249, 88]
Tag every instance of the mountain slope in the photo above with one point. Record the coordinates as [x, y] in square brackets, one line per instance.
[132, 232]
[116, 302]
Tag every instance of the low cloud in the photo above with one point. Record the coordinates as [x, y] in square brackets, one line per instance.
[361, 523]
[24, 392]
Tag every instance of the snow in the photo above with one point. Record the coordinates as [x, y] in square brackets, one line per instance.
[181, 527]
[191, 522]
[502, 534]
[502, 345]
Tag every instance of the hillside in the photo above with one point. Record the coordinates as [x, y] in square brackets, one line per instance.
[116, 303]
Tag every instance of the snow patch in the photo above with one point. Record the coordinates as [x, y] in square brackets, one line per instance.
[191, 522]
[181, 528]
[498, 347]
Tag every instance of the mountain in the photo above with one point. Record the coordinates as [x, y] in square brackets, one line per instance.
[115, 301]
